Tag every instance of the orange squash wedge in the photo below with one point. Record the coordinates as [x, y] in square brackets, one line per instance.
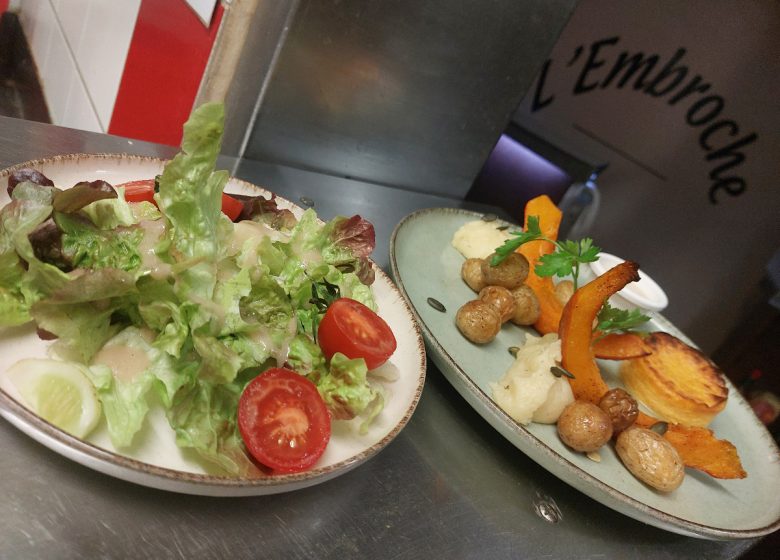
[549, 221]
[698, 447]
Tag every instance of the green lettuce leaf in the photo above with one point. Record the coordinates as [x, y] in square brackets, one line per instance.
[84, 313]
[306, 357]
[124, 398]
[251, 350]
[87, 247]
[110, 213]
[30, 191]
[144, 211]
[29, 209]
[350, 286]
[307, 239]
[14, 309]
[346, 390]
[160, 310]
[232, 287]
[190, 194]
[190, 198]
[268, 305]
[314, 253]
[218, 362]
[203, 416]
[266, 252]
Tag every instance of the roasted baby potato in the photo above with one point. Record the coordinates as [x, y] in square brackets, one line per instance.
[583, 426]
[471, 272]
[621, 407]
[478, 321]
[510, 273]
[650, 458]
[527, 308]
[501, 299]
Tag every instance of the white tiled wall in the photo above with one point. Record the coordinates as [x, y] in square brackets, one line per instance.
[204, 9]
[80, 47]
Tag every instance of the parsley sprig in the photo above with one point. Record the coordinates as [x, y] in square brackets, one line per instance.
[564, 261]
[613, 320]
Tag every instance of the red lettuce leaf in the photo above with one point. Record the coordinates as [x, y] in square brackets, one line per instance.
[355, 233]
[265, 210]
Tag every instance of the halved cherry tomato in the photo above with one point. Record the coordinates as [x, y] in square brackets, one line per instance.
[283, 420]
[139, 191]
[354, 330]
[231, 207]
[143, 191]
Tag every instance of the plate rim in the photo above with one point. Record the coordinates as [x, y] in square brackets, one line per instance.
[691, 528]
[164, 478]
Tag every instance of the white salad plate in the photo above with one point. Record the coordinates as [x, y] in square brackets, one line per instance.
[425, 265]
[154, 460]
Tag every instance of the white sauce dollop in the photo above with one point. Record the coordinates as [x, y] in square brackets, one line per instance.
[478, 239]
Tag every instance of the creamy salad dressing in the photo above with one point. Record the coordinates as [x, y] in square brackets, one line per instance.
[127, 362]
[279, 352]
[247, 236]
[211, 306]
[154, 230]
[311, 257]
[307, 256]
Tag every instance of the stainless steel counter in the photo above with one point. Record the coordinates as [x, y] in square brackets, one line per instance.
[448, 487]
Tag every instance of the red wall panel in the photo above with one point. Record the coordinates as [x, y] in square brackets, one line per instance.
[168, 54]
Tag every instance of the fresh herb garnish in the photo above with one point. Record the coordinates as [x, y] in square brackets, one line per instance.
[563, 262]
[532, 233]
[323, 294]
[613, 320]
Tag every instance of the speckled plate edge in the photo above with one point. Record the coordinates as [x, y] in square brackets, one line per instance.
[561, 467]
[131, 470]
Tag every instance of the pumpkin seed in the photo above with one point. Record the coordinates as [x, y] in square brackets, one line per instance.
[489, 218]
[437, 305]
[594, 456]
[660, 428]
[559, 371]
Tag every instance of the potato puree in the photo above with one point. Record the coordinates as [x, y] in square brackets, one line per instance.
[478, 239]
[528, 391]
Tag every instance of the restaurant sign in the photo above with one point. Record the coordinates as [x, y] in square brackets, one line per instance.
[603, 64]
[679, 100]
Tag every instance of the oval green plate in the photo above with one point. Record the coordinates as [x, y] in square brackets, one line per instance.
[425, 264]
